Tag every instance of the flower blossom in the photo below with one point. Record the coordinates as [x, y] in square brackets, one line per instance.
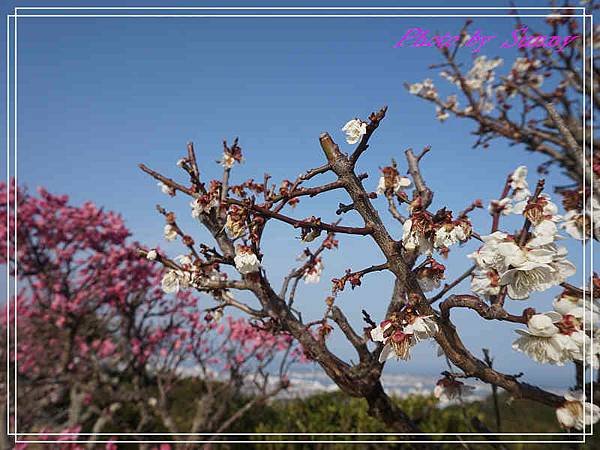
[355, 129]
[576, 412]
[401, 332]
[430, 276]
[174, 280]
[485, 282]
[448, 389]
[151, 255]
[452, 233]
[543, 342]
[312, 274]
[391, 181]
[414, 239]
[168, 190]
[245, 260]
[203, 205]
[579, 225]
[170, 232]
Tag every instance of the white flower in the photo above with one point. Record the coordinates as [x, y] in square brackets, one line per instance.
[174, 280]
[166, 189]
[543, 324]
[397, 184]
[450, 234]
[543, 233]
[355, 129]
[573, 225]
[488, 257]
[246, 261]
[397, 344]
[543, 342]
[518, 179]
[170, 232]
[482, 72]
[576, 412]
[441, 114]
[151, 255]
[203, 206]
[485, 282]
[447, 389]
[415, 88]
[413, 240]
[533, 269]
[504, 206]
[234, 227]
[578, 225]
[377, 333]
[152, 401]
[184, 260]
[312, 275]
[423, 327]
[227, 161]
[548, 211]
[573, 304]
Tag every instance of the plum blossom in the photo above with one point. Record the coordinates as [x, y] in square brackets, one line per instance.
[579, 225]
[430, 276]
[536, 269]
[236, 221]
[523, 269]
[174, 280]
[448, 389]
[503, 206]
[544, 233]
[396, 343]
[576, 412]
[519, 183]
[441, 114]
[452, 233]
[425, 89]
[401, 332]
[543, 342]
[168, 190]
[485, 282]
[245, 260]
[355, 129]
[423, 327]
[151, 255]
[391, 181]
[542, 209]
[312, 275]
[413, 239]
[227, 161]
[480, 74]
[488, 257]
[524, 71]
[170, 232]
[203, 205]
[573, 224]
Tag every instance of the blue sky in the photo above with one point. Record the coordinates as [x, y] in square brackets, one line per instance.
[97, 96]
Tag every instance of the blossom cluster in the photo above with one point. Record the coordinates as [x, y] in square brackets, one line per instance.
[401, 331]
[423, 232]
[564, 334]
[527, 261]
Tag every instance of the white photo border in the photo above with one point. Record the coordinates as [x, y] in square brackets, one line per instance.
[12, 133]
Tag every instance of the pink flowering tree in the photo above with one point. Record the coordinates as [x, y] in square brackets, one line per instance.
[97, 333]
[506, 268]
